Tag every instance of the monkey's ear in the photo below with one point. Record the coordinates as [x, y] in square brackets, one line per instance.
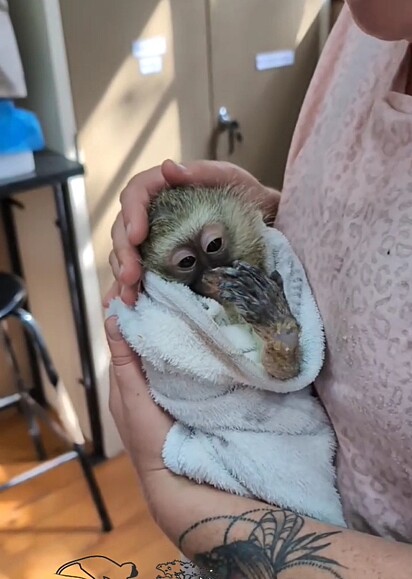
[277, 278]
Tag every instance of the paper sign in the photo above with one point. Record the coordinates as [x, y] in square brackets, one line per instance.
[276, 59]
[151, 65]
[155, 46]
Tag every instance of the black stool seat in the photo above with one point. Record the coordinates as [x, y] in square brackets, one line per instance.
[12, 294]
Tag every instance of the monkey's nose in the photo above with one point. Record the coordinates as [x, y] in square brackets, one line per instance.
[208, 284]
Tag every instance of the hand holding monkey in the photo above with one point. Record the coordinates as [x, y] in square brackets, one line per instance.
[131, 225]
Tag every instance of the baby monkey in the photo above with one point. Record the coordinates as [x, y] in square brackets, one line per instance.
[210, 239]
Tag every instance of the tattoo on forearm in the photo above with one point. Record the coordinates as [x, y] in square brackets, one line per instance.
[274, 541]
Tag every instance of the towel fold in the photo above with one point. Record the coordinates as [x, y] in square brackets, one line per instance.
[237, 428]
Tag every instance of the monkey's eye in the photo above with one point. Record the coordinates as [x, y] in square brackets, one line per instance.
[183, 258]
[212, 239]
[214, 245]
[187, 262]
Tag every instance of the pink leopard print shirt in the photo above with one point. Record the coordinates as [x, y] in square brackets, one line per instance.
[347, 210]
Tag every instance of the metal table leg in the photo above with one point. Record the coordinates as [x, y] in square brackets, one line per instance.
[6, 209]
[66, 225]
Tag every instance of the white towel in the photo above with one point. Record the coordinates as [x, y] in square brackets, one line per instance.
[236, 427]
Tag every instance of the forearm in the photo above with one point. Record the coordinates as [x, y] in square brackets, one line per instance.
[233, 535]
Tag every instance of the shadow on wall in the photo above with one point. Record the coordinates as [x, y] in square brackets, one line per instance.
[103, 28]
[123, 172]
[266, 103]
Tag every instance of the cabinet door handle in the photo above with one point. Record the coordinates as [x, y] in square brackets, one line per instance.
[225, 123]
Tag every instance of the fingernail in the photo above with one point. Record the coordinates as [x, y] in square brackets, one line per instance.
[112, 329]
[182, 168]
[129, 229]
[121, 271]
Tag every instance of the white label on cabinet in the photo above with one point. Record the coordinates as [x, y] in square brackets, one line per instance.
[155, 46]
[151, 65]
[276, 59]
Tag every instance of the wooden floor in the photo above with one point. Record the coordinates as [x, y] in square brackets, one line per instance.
[50, 521]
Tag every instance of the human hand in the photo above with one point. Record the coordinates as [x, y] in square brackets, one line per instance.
[143, 427]
[131, 226]
[142, 424]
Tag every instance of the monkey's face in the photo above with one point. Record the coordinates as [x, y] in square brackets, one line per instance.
[207, 250]
[196, 230]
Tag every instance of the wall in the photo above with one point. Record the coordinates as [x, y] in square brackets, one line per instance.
[265, 103]
[337, 6]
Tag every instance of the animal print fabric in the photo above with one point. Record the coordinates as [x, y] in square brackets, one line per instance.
[347, 211]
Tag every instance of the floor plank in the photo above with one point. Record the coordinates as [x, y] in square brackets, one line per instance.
[51, 521]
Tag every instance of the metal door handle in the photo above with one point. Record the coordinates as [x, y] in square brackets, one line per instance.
[231, 126]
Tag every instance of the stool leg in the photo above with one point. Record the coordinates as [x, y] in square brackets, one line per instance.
[33, 426]
[34, 331]
[32, 328]
[94, 488]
